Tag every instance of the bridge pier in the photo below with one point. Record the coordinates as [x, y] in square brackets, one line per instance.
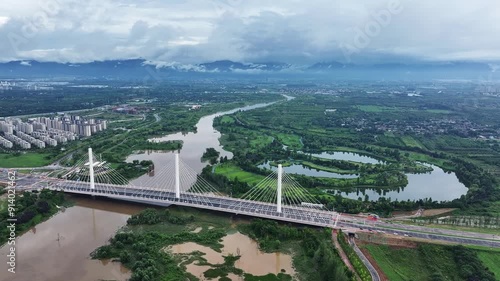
[337, 218]
[177, 177]
[91, 169]
[280, 176]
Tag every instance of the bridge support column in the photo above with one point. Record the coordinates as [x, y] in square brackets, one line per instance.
[177, 177]
[337, 218]
[91, 169]
[280, 176]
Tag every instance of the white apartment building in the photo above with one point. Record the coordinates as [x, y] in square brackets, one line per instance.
[6, 127]
[30, 139]
[6, 143]
[22, 143]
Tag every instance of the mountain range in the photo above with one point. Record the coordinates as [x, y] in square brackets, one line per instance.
[139, 68]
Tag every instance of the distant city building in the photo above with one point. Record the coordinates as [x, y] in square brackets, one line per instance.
[6, 143]
[42, 131]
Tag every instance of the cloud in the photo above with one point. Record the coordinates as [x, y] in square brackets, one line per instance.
[293, 31]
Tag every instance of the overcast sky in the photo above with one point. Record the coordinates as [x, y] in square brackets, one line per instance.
[292, 31]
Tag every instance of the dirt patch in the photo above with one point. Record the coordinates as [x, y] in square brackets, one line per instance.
[381, 274]
[383, 239]
[397, 214]
[436, 212]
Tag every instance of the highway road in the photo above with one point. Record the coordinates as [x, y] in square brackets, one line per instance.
[457, 238]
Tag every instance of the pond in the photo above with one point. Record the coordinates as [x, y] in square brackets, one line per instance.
[347, 156]
[304, 170]
[438, 185]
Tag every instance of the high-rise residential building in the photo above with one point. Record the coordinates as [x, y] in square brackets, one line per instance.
[6, 143]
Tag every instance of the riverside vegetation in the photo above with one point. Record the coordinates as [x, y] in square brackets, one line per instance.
[139, 247]
[30, 209]
[353, 123]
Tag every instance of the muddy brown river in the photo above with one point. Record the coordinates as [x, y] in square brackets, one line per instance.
[58, 249]
[252, 260]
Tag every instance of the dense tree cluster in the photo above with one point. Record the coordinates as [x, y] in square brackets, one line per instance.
[315, 246]
[211, 154]
[31, 209]
[469, 265]
[153, 216]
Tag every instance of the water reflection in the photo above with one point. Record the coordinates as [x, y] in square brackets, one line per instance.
[438, 185]
[347, 156]
[304, 170]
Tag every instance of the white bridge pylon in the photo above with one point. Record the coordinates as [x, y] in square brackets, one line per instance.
[278, 196]
[284, 196]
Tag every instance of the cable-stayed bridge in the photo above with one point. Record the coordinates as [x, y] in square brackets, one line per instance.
[277, 197]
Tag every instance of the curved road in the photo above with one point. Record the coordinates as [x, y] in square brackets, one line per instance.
[369, 266]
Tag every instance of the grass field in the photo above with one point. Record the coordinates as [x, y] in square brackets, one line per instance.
[290, 140]
[227, 119]
[28, 159]
[400, 264]
[259, 141]
[491, 259]
[232, 171]
[444, 164]
[3, 204]
[411, 142]
[421, 263]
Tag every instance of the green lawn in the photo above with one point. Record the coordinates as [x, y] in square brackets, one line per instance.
[227, 119]
[29, 159]
[427, 259]
[259, 141]
[3, 204]
[428, 159]
[232, 171]
[401, 264]
[290, 140]
[411, 142]
[491, 259]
